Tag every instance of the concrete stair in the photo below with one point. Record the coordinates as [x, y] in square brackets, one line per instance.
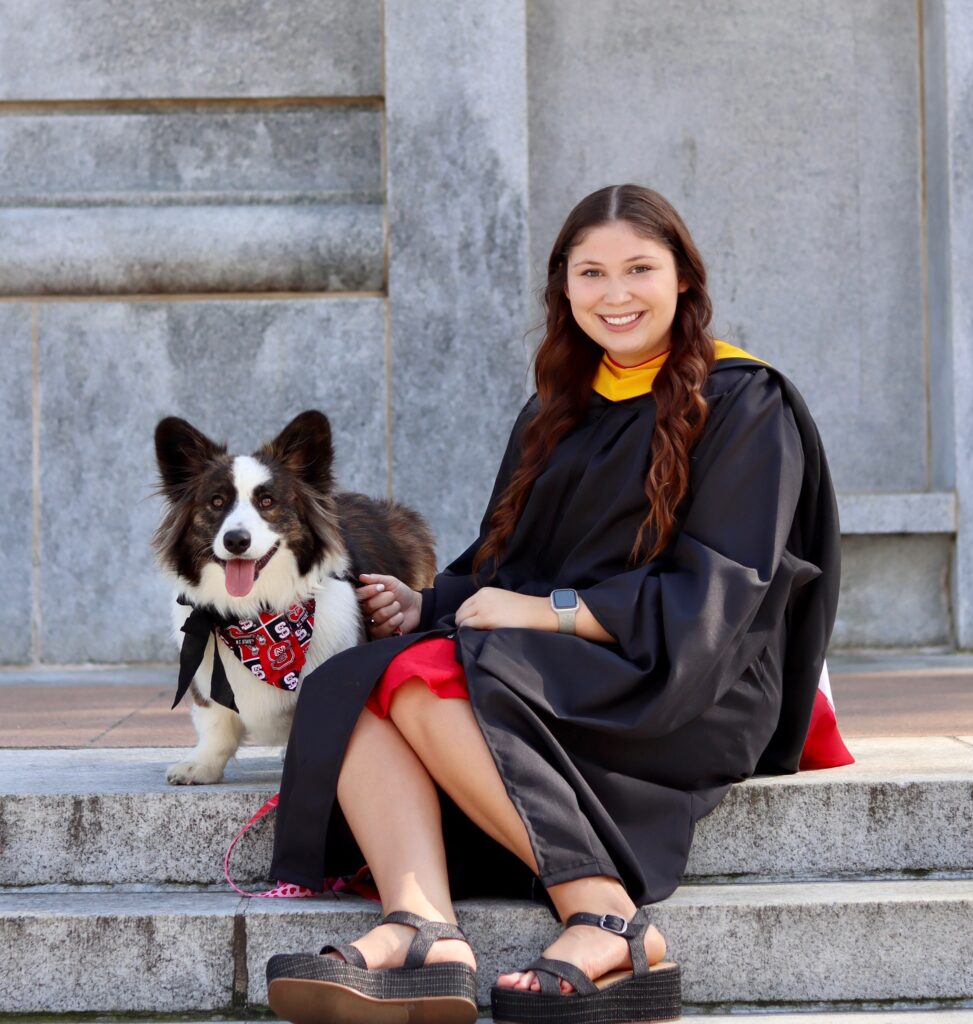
[848, 889]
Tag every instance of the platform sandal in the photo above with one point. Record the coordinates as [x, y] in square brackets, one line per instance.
[305, 988]
[641, 994]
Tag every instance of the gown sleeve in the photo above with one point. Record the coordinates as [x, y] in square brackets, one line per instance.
[691, 620]
[456, 582]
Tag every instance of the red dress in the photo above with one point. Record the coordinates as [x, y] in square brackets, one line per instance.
[433, 661]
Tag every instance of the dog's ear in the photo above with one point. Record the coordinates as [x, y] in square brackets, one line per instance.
[304, 447]
[181, 451]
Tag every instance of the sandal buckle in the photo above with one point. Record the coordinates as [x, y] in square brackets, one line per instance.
[611, 923]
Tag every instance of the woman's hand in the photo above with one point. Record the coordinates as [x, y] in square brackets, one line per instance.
[388, 605]
[493, 608]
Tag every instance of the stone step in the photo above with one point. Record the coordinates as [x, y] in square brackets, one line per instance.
[926, 1016]
[305, 245]
[740, 946]
[108, 816]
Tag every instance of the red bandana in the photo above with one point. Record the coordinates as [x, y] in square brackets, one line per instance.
[273, 646]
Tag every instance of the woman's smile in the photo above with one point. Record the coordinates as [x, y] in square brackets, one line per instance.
[619, 322]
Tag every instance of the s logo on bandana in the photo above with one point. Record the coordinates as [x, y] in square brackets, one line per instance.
[274, 646]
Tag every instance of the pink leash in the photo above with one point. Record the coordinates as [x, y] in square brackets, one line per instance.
[282, 889]
[360, 883]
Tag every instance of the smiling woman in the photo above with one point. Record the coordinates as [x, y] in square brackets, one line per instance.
[640, 623]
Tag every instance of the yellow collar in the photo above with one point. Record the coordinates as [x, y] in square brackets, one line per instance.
[617, 383]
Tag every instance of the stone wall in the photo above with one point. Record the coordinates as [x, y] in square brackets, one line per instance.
[234, 211]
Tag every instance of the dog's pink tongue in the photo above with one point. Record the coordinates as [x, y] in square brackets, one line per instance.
[239, 576]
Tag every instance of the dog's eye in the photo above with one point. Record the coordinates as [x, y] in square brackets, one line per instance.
[217, 501]
[266, 501]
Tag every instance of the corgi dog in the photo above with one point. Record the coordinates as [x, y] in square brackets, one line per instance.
[265, 555]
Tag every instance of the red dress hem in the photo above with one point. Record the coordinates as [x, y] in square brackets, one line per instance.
[433, 661]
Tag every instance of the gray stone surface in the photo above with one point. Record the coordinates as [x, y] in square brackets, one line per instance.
[883, 814]
[108, 816]
[741, 945]
[157, 675]
[190, 249]
[840, 941]
[866, 1015]
[110, 49]
[236, 369]
[894, 591]
[54, 157]
[785, 133]
[457, 194]
[75, 952]
[959, 112]
[932, 512]
[899, 663]
[16, 494]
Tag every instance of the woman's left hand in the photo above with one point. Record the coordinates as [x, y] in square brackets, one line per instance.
[493, 608]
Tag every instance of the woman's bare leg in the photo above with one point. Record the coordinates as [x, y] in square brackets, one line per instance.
[392, 808]
[447, 740]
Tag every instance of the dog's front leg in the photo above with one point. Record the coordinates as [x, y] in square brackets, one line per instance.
[220, 732]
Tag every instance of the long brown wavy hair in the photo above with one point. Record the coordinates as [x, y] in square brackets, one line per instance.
[567, 359]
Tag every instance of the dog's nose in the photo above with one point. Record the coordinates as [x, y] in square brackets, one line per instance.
[236, 541]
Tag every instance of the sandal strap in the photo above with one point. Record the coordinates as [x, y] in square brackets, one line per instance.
[632, 931]
[548, 971]
[427, 932]
[352, 954]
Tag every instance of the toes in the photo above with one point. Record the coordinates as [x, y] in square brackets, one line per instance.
[655, 945]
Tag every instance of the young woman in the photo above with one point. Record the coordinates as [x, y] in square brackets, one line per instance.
[641, 622]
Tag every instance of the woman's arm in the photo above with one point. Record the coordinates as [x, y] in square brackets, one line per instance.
[492, 608]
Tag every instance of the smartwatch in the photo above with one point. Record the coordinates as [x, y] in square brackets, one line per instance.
[565, 604]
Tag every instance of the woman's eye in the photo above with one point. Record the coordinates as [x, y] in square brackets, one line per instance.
[640, 270]
[217, 501]
[590, 273]
[266, 501]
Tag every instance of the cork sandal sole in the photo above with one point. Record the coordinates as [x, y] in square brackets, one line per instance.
[436, 994]
[622, 998]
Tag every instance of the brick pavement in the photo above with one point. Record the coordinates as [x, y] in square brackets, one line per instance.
[131, 708]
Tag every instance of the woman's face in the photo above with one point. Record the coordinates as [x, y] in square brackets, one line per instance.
[623, 290]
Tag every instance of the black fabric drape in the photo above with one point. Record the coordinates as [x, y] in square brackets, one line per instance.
[612, 752]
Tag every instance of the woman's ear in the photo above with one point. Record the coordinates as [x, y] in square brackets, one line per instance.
[683, 286]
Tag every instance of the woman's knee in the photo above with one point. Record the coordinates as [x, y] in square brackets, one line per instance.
[410, 706]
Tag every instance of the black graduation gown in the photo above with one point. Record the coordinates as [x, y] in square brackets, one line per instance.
[612, 752]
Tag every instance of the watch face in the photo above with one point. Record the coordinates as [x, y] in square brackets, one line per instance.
[564, 600]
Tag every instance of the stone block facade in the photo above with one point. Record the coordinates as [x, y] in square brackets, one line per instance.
[232, 212]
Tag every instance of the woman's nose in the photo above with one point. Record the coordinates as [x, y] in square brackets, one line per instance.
[617, 293]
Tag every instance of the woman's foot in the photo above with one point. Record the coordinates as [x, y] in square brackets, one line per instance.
[387, 944]
[594, 950]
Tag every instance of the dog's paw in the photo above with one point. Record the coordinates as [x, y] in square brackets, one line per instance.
[193, 773]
